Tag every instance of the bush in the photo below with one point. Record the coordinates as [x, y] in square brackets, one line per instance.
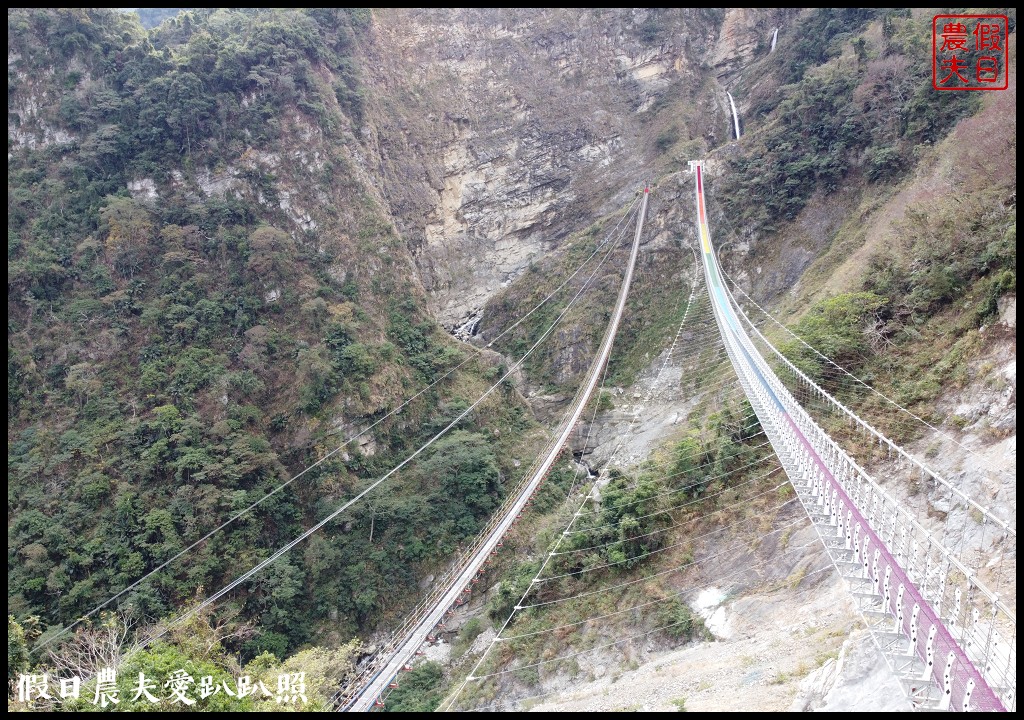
[418, 690]
[470, 632]
[356, 361]
[666, 139]
[884, 163]
[678, 621]
[837, 328]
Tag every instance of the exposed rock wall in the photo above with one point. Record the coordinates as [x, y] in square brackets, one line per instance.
[503, 131]
[745, 33]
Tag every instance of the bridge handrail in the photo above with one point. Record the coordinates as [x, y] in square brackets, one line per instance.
[441, 584]
[970, 576]
[870, 428]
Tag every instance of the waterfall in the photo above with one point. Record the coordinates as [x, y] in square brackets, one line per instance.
[775, 36]
[735, 115]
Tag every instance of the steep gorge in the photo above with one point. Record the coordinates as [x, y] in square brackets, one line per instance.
[311, 235]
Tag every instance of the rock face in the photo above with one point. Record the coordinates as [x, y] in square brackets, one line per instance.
[765, 639]
[503, 131]
[738, 41]
[746, 33]
[858, 681]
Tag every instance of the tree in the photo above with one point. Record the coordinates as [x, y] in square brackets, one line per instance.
[83, 381]
[94, 647]
[464, 465]
[836, 328]
[18, 638]
[130, 231]
[315, 377]
[271, 254]
[418, 690]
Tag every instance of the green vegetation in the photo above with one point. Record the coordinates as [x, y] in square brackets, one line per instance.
[666, 139]
[914, 321]
[835, 328]
[176, 351]
[654, 310]
[910, 322]
[18, 640]
[211, 676]
[634, 514]
[469, 632]
[419, 690]
[655, 306]
[821, 37]
[678, 620]
[968, 248]
[864, 112]
[511, 589]
[914, 328]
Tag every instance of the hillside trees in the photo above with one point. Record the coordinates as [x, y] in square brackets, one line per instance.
[130, 231]
[846, 116]
[840, 328]
[176, 354]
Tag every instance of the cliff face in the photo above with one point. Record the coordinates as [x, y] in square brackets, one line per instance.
[745, 34]
[230, 240]
[497, 133]
[492, 135]
[240, 218]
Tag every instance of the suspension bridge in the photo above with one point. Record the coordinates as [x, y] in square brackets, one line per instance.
[452, 591]
[912, 591]
[948, 637]
[934, 612]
